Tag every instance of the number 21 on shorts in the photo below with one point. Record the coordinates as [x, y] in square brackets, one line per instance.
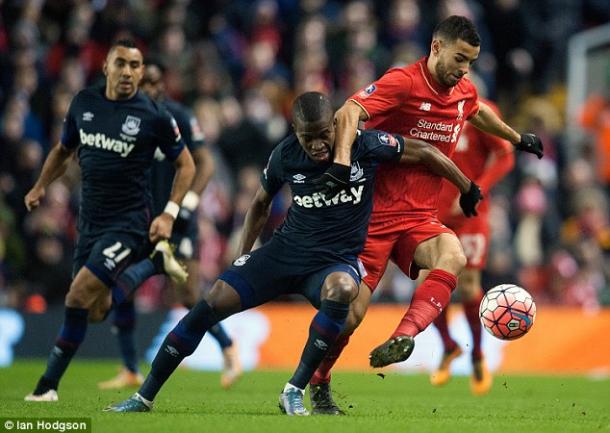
[114, 254]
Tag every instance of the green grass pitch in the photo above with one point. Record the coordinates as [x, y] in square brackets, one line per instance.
[194, 402]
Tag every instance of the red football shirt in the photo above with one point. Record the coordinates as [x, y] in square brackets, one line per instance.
[472, 156]
[409, 102]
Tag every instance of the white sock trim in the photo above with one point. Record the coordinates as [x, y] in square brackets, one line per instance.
[290, 386]
[148, 403]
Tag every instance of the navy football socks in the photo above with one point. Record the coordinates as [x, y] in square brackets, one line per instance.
[130, 279]
[325, 327]
[179, 343]
[124, 324]
[71, 335]
[218, 332]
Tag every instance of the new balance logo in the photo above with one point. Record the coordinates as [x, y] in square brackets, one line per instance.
[172, 350]
[299, 178]
[88, 116]
[320, 344]
[109, 264]
[437, 304]
[425, 106]
[102, 142]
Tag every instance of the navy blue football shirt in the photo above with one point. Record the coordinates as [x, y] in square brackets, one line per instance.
[163, 169]
[320, 227]
[116, 142]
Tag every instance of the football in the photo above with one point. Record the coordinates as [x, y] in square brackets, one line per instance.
[507, 311]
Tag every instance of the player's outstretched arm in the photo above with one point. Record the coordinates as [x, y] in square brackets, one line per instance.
[161, 227]
[256, 217]
[488, 121]
[53, 167]
[420, 152]
[336, 177]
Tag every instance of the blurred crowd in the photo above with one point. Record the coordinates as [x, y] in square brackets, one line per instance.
[238, 64]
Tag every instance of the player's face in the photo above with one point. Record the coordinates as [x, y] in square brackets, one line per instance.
[123, 70]
[152, 81]
[317, 138]
[454, 60]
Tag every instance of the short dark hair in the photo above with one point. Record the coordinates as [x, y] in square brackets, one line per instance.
[127, 43]
[311, 107]
[457, 27]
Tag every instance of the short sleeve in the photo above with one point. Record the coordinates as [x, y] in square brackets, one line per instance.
[272, 178]
[168, 134]
[69, 132]
[190, 130]
[380, 146]
[388, 92]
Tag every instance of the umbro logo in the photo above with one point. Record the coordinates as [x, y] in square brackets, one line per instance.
[320, 344]
[172, 350]
[299, 178]
[425, 106]
[88, 116]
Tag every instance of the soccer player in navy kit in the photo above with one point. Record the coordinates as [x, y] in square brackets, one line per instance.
[114, 129]
[185, 236]
[314, 252]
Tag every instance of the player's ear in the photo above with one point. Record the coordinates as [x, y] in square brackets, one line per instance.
[435, 47]
[105, 68]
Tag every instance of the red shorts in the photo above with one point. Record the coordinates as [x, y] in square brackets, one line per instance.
[396, 239]
[473, 234]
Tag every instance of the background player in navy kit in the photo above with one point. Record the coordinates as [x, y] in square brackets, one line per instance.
[184, 236]
[115, 131]
[314, 252]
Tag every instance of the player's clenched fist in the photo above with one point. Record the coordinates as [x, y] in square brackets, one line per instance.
[33, 198]
[531, 143]
[333, 180]
[470, 199]
[161, 228]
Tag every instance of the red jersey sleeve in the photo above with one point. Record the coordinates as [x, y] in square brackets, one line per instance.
[385, 94]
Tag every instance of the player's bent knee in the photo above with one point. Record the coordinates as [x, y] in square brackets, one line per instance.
[453, 261]
[342, 289]
[76, 298]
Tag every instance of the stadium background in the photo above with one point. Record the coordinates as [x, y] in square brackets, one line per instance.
[239, 64]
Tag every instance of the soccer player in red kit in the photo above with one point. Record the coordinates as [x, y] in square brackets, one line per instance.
[429, 100]
[485, 159]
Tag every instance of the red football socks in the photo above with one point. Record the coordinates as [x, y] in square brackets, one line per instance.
[471, 310]
[429, 299]
[443, 328]
[322, 374]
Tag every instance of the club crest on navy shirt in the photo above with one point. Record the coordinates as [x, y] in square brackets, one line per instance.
[335, 225]
[131, 126]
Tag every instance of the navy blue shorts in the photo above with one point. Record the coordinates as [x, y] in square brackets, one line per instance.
[274, 270]
[108, 253]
